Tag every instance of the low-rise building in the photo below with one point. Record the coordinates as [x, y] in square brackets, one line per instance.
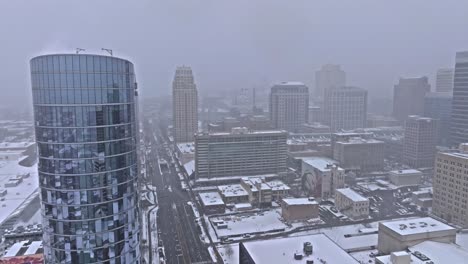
[233, 194]
[212, 203]
[426, 252]
[357, 153]
[422, 198]
[296, 209]
[351, 203]
[262, 192]
[316, 248]
[185, 152]
[405, 177]
[322, 176]
[401, 234]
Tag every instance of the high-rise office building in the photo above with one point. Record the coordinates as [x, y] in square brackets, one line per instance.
[459, 127]
[420, 141]
[330, 75]
[86, 130]
[444, 80]
[240, 153]
[449, 183]
[345, 108]
[438, 105]
[184, 105]
[289, 105]
[408, 97]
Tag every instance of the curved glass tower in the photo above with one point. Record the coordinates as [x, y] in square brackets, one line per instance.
[85, 122]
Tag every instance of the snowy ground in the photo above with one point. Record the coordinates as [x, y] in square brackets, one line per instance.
[16, 195]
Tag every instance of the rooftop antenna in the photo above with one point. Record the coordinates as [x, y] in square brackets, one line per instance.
[78, 50]
[108, 50]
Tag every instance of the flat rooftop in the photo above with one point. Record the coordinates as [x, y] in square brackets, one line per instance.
[435, 251]
[359, 140]
[405, 172]
[211, 198]
[282, 250]
[299, 201]
[232, 190]
[186, 148]
[321, 163]
[417, 226]
[354, 196]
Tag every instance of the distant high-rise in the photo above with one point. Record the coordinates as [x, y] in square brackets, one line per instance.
[420, 141]
[408, 97]
[459, 127]
[345, 108]
[330, 75]
[289, 105]
[240, 153]
[184, 105]
[439, 106]
[86, 133]
[444, 80]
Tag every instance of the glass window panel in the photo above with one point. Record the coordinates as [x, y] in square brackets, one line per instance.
[63, 80]
[57, 80]
[82, 64]
[63, 95]
[50, 64]
[76, 80]
[109, 64]
[103, 64]
[84, 96]
[68, 63]
[97, 80]
[90, 80]
[69, 80]
[91, 96]
[97, 64]
[51, 80]
[62, 63]
[71, 96]
[76, 63]
[89, 64]
[77, 96]
[115, 63]
[84, 81]
[52, 96]
[56, 64]
[104, 96]
[46, 81]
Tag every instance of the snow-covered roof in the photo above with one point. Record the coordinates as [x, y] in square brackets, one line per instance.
[321, 163]
[15, 248]
[211, 198]
[278, 185]
[186, 148]
[354, 196]
[190, 167]
[299, 201]
[436, 252]
[359, 140]
[232, 190]
[417, 226]
[282, 250]
[15, 145]
[407, 172]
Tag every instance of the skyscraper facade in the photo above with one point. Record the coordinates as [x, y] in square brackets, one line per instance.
[184, 105]
[84, 111]
[408, 97]
[289, 105]
[438, 105]
[330, 75]
[420, 141]
[444, 80]
[240, 153]
[459, 127]
[345, 108]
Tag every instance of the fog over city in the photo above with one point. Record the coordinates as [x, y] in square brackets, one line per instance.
[238, 44]
[234, 132]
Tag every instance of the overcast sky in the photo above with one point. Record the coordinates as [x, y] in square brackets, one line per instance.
[235, 44]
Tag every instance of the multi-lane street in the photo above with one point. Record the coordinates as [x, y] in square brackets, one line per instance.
[179, 240]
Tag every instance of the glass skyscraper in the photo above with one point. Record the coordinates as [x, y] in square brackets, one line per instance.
[459, 127]
[85, 122]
